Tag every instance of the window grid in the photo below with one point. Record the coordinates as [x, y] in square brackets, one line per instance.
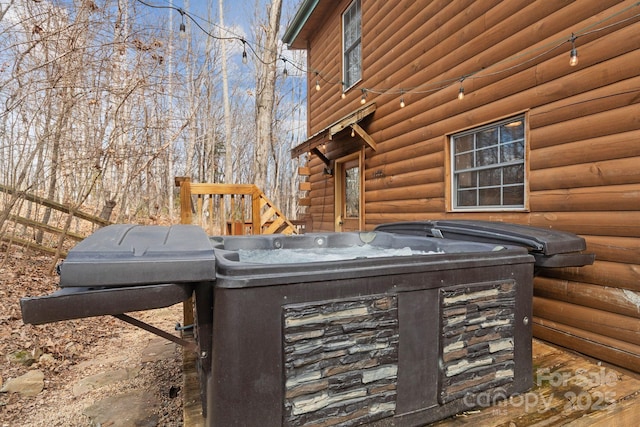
[488, 166]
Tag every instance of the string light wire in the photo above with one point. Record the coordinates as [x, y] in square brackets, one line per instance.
[234, 37]
[428, 87]
[546, 49]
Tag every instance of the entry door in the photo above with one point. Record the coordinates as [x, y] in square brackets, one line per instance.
[349, 189]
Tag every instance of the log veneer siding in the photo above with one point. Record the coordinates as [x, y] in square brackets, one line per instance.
[583, 136]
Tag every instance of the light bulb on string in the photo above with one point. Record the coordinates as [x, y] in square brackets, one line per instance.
[317, 82]
[244, 52]
[353, 132]
[461, 91]
[285, 73]
[363, 98]
[402, 104]
[343, 95]
[183, 27]
[573, 59]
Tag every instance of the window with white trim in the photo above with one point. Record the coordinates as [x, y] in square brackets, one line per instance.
[351, 45]
[488, 167]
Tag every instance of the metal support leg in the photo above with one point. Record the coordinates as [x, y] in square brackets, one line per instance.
[190, 345]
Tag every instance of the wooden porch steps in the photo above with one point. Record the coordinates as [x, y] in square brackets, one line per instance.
[219, 207]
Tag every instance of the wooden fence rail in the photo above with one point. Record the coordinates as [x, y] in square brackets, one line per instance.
[26, 227]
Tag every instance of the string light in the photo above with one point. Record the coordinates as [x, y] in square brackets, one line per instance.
[285, 73]
[430, 86]
[461, 91]
[353, 132]
[244, 51]
[183, 27]
[573, 59]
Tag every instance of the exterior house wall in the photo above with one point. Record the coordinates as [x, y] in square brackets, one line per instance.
[582, 132]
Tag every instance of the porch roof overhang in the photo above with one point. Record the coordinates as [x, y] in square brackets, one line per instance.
[351, 120]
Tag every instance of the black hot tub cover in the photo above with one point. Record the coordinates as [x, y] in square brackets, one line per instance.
[550, 248]
[130, 255]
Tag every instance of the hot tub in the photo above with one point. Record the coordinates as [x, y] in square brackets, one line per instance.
[405, 338]
[399, 326]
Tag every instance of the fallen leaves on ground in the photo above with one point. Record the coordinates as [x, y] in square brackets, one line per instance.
[64, 351]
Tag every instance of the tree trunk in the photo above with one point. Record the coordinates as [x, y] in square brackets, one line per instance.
[265, 96]
[228, 158]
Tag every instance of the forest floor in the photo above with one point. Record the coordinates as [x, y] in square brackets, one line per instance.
[96, 371]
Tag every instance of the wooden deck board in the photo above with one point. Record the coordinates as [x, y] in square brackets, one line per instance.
[191, 400]
[568, 390]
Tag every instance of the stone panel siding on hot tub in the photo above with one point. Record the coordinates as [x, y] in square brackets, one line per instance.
[341, 360]
[477, 338]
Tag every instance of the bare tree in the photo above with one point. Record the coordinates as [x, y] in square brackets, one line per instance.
[228, 155]
[4, 10]
[265, 93]
[103, 103]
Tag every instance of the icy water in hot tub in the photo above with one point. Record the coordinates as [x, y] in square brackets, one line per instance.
[295, 256]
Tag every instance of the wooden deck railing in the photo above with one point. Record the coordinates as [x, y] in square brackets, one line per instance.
[223, 209]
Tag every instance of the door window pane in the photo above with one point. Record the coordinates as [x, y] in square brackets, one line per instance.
[352, 192]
